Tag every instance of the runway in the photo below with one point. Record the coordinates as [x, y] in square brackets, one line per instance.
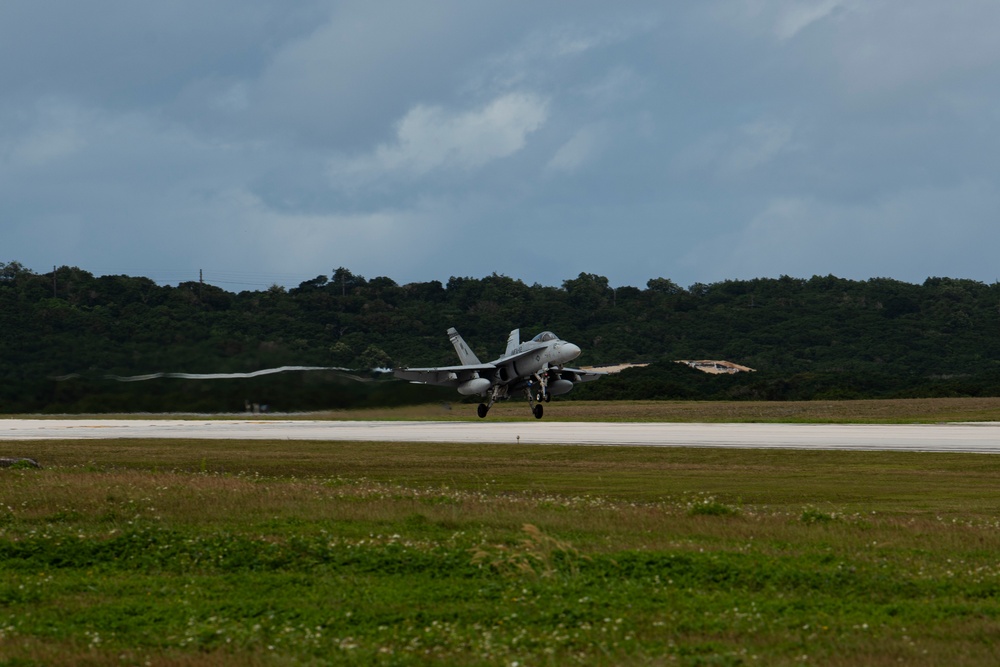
[977, 437]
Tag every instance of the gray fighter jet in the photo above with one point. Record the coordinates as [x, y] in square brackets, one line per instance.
[536, 366]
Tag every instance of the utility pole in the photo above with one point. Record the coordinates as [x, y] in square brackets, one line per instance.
[53, 281]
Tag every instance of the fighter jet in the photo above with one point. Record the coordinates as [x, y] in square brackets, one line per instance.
[536, 366]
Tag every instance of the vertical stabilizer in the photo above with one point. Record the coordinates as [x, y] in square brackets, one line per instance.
[513, 340]
[465, 356]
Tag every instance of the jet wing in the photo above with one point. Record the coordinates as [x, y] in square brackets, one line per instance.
[446, 376]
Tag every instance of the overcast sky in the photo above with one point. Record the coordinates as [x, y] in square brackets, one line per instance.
[271, 141]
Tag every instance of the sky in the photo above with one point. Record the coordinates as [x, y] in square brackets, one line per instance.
[269, 142]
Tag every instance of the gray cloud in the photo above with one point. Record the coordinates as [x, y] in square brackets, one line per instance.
[697, 141]
[908, 235]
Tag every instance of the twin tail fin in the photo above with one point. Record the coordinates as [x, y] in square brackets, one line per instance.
[465, 355]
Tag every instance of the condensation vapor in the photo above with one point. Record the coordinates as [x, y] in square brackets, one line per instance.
[219, 376]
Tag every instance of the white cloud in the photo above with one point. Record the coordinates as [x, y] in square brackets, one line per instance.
[578, 151]
[621, 84]
[431, 138]
[731, 153]
[797, 16]
[778, 19]
[543, 53]
[364, 65]
[575, 39]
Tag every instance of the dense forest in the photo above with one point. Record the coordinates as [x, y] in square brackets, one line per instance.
[66, 332]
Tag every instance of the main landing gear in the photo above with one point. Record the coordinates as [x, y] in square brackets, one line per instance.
[496, 393]
[499, 393]
[536, 409]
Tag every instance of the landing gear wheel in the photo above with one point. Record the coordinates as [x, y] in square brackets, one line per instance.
[538, 411]
[548, 398]
[482, 410]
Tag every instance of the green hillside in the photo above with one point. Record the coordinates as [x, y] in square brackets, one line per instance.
[822, 337]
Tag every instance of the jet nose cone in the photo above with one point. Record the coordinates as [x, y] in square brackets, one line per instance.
[570, 351]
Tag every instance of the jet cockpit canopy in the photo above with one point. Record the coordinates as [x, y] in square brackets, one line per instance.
[544, 337]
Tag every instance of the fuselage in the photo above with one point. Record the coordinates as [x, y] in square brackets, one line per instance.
[536, 366]
[543, 351]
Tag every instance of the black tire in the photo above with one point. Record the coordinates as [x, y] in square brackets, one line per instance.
[482, 410]
[538, 411]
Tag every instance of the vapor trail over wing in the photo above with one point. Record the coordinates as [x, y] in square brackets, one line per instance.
[226, 376]
[345, 372]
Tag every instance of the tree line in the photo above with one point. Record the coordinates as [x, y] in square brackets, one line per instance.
[821, 337]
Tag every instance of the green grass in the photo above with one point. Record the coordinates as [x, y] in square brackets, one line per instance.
[893, 411]
[281, 553]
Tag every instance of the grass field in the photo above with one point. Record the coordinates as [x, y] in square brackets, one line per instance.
[919, 410]
[198, 553]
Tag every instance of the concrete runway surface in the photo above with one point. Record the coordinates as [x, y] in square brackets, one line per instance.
[967, 437]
